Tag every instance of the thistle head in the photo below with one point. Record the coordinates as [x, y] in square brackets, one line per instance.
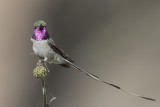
[39, 72]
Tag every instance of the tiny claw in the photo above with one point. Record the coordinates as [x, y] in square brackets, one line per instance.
[46, 66]
[39, 63]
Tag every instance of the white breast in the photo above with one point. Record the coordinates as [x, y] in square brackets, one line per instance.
[42, 49]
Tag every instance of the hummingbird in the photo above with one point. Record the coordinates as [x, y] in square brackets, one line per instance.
[46, 49]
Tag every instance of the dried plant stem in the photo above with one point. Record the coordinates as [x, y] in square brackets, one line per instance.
[44, 94]
[40, 73]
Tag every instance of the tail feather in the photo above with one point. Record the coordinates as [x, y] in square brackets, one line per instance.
[110, 84]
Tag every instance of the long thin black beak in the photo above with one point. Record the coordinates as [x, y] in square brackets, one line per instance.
[41, 27]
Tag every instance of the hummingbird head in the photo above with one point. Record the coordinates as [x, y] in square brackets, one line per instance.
[40, 32]
[40, 24]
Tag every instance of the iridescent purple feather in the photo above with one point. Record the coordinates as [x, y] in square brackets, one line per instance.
[40, 34]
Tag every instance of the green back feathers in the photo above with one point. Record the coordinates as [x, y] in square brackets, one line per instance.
[39, 23]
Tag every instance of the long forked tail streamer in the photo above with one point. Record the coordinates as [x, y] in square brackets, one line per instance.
[100, 80]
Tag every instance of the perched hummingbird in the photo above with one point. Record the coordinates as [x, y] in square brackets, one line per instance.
[45, 48]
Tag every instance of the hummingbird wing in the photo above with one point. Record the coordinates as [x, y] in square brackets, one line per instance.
[69, 62]
[59, 50]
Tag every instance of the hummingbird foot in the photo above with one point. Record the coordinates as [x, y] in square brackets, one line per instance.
[40, 62]
[46, 66]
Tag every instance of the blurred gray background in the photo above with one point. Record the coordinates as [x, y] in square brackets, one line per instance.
[118, 40]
